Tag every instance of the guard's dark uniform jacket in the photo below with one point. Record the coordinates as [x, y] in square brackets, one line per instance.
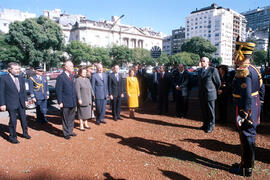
[248, 92]
[39, 90]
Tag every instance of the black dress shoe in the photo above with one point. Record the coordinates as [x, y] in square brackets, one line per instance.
[247, 172]
[104, 122]
[236, 169]
[87, 127]
[115, 119]
[26, 136]
[98, 123]
[73, 134]
[209, 130]
[67, 137]
[14, 141]
[120, 118]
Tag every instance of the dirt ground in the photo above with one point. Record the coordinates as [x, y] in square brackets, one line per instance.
[148, 147]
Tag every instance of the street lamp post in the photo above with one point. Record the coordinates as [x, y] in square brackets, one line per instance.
[268, 51]
[114, 25]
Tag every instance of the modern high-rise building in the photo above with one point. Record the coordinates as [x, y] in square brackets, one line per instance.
[178, 37]
[8, 16]
[221, 26]
[258, 22]
[258, 19]
[167, 45]
[104, 33]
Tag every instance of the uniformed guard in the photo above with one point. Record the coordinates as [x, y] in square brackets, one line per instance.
[38, 86]
[248, 92]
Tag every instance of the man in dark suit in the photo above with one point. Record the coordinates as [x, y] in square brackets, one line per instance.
[143, 83]
[209, 83]
[39, 90]
[13, 98]
[66, 97]
[100, 87]
[154, 84]
[163, 90]
[116, 92]
[181, 88]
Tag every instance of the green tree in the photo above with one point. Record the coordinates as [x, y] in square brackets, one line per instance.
[260, 57]
[101, 55]
[200, 46]
[38, 39]
[163, 59]
[141, 56]
[9, 53]
[216, 61]
[78, 52]
[120, 54]
[189, 59]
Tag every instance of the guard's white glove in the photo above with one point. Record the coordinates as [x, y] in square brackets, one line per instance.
[240, 120]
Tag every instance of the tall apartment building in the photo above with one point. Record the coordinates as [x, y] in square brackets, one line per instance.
[105, 33]
[178, 37]
[258, 22]
[220, 26]
[167, 45]
[258, 19]
[8, 16]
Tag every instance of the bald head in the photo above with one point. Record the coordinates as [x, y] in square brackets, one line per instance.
[69, 67]
[99, 68]
[205, 62]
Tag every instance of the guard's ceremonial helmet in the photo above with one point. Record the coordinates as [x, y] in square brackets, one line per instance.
[38, 68]
[243, 48]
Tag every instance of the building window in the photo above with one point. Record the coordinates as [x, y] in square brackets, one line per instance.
[217, 34]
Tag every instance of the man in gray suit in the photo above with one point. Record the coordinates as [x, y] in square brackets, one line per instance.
[100, 87]
[209, 82]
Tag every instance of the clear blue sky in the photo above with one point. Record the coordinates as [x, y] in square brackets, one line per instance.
[161, 15]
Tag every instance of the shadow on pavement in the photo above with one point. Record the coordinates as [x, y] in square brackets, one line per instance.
[163, 123]
[4, 131]
[173, 175]
[43, 127]
[261, 154]
[109, 177]
[158, 148]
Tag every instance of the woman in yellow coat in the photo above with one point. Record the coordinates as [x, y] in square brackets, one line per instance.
[133, 92]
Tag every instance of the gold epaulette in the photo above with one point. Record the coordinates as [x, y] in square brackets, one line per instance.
[242, 71]
[38, 85]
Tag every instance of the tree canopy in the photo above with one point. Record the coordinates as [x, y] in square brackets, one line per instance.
[186, 58]
[120, 54]
[78, 52]
[9, 53]
[200, 46]
[259, 57]
[38, 39]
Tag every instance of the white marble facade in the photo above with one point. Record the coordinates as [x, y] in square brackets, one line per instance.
[105, 33]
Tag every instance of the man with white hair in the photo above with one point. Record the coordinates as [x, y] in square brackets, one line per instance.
[67, 99]
[209, 82]
[100, 88]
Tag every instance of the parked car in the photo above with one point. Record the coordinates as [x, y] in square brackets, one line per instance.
[53, 74]
[2, 73]
[31, 104]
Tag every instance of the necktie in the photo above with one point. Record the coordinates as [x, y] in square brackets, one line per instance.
[17, 84]
[203, 72]
[70, 77]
